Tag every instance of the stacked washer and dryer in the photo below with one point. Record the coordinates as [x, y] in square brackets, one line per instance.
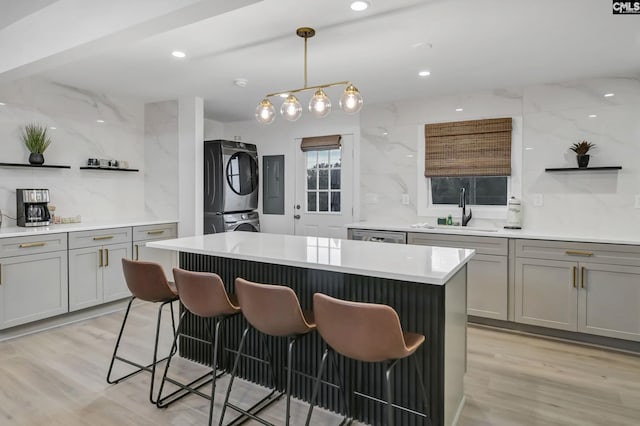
[230, 187]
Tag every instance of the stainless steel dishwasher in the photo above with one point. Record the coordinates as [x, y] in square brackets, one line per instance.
[396, 237]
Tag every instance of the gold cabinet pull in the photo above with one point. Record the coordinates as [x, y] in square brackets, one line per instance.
[155, 232]
[103, 237]
[575, 271]
[582, 277]
[28, 245]
[578, 253]
[106, 262]
[137, 251]
[100, 252]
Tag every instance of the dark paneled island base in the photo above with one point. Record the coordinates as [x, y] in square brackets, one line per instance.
[437, 311]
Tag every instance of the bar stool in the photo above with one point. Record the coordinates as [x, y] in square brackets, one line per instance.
[364, 332]
[203, 294]
[273, 310]
[146, 281]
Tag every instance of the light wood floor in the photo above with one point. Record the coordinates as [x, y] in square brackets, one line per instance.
[57, 377]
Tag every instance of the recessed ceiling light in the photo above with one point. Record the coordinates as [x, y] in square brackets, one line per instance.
[424, 73]
[528, 149]
[359, 6]
[99, 121]
[178, 54]
[608, 95]
[2, 104]
[459, 110]
[385, 133]
[592, 116]
[409, 155]
[53, 128]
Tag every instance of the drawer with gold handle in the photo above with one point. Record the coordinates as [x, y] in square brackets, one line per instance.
[36, 244]
[578, 253]
[103, 237]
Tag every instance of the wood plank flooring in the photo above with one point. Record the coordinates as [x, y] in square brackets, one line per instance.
[57, 377]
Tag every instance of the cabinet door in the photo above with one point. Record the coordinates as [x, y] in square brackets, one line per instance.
[85, 278]
[487, 286]
[32, 287]
[609, 300]
[114, 285]
[168, 259]
[546, 293]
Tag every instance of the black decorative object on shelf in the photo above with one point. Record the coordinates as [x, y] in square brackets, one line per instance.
[113, 169]
[581, 169]
[34, 166]
[36, 158]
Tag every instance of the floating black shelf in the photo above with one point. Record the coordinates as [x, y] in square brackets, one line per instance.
[113, 169]
[583, 169]
[35, 166]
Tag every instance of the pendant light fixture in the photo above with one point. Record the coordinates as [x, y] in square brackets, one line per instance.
[319, 105]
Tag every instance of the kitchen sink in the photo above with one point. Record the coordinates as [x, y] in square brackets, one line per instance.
[455, 227]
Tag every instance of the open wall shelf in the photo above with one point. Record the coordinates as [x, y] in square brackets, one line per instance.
[35, 166]
[112, 169]
[583, 169]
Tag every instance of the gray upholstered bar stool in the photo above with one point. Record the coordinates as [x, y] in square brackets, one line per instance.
[365, 332]
[203, 294]
[146, 281]
[273, 310]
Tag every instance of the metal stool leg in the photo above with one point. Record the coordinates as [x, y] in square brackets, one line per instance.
[316, 387]
[387, 376]
[291, 341]
[425, 400]
[233, 373]
[115, 350]
[174, 346]
[214, 367]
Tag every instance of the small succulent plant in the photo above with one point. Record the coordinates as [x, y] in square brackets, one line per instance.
[581, 148]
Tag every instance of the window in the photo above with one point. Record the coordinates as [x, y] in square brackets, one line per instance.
[475, 155]
[323, 180]
[480, 190]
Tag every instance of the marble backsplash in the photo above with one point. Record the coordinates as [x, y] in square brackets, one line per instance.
[552, 117]
[72, 115]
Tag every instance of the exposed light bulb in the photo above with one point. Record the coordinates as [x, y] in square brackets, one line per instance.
[351, 100]
[320, 104]
[609, 95]
[424, 73]
[291, 108]
[265, 112]
[178, 54]
[359, 6]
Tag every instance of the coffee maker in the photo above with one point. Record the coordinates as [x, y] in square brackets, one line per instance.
[31, 207]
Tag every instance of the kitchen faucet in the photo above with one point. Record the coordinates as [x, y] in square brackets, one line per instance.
[463, 203]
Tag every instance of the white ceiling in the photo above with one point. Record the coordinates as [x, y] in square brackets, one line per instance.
[466, 44]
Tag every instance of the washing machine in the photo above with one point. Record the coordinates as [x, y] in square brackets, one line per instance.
[228, 222]
[230, 176]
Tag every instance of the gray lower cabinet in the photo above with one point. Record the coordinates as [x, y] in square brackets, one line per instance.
[487, 272]
[95, 266]
[33, 278]
[143, 234]
[589, 288]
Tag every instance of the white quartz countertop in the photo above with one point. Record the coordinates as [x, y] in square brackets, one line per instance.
[585, 237]
[17, 231]
[423, 264]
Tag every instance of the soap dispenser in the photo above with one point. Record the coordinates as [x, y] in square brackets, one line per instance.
[514, 214]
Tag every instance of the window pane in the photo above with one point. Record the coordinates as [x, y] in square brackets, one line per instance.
[491, 191]
[323, 179]
[481, 190]
[312, 159]
[323, 201]
[311, 202]
[335, 201]
[335, 158]
[335, 178]
[323, 159]
[312, 179]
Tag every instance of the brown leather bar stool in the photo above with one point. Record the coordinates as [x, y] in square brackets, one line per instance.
[273, 310]
[366, 332]
[146, 281]
[203, 294]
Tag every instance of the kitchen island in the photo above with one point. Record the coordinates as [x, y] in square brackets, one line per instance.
[425, 285]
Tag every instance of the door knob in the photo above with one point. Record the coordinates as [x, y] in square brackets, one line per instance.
[297, 206]
[296, 216]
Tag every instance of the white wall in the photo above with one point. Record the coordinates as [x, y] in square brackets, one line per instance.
[552, 117]
[279, 138]
[95, 195]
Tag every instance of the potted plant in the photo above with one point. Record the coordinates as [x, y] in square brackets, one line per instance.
[581, 149]
[36, 140]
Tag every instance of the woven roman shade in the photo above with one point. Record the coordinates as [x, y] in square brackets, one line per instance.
[321, 143]
[468, 148]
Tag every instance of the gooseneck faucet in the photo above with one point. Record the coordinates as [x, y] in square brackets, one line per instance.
[463, 203]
